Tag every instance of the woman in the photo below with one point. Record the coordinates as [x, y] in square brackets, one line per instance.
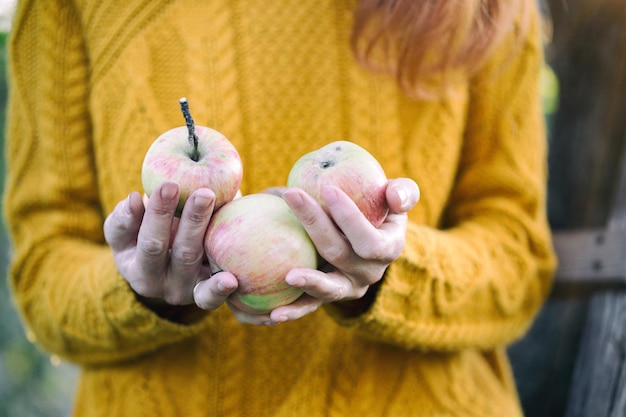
[415, 315]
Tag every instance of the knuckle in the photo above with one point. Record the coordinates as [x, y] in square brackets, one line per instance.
[153, 247]
[307, 219]
[198, 218]
[186, 256]
[376, 250]
[159, 210]
[337, 294]
[336, 254]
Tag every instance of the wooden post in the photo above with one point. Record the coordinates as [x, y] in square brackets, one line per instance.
[581, 326]
[599, 380]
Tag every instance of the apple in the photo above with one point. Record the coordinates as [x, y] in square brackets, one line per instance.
[194, 157]
[259, 239]
[351, 168]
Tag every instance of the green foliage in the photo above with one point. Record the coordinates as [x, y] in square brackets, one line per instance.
[32, 384]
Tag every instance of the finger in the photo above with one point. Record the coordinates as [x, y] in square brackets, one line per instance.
[304, 305]
[394, 228]
[122, 225]
[188, 247]
[402, 194]
[154, 234]
[277, 191]
[213, 292]
[366, 241]
[329, 241]
[327, 287]
[248, 318]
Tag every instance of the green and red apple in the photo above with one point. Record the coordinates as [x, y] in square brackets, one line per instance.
[351, 168]
[194, 157]
[259, 239]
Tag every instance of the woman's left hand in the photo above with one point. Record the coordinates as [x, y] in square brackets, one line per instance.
[356, 252]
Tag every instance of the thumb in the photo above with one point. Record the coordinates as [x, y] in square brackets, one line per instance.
[122, 225]
[402, 194]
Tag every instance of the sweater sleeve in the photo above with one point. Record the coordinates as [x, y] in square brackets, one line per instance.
[479, 279]
[62, 273]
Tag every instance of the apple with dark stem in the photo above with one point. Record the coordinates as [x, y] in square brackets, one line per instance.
[351, 168]
[259, 239]
[194, 157]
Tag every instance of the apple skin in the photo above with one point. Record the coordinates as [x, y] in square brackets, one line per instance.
[259, 239]
[351, 168]
[218, 167]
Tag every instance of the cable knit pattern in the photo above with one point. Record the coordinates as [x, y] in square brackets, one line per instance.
[93, 83]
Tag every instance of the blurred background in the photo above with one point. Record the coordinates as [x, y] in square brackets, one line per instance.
[32, 383]
[585, 105]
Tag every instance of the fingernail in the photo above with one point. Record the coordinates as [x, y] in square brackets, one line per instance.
[293, 198]
[404, 197]
[169, 191]
[295, 280]
[202, 200]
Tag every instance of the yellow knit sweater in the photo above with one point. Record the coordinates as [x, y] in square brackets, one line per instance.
[94, 82]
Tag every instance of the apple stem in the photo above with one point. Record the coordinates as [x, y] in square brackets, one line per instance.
[191, 128]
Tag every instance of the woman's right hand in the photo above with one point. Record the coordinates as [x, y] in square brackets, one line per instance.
[162, 257]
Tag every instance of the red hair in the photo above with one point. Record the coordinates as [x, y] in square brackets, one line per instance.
[417, 40]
